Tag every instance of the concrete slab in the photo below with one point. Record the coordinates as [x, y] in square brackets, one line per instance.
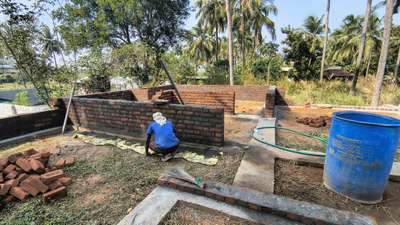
[161, 200]
[256, 171]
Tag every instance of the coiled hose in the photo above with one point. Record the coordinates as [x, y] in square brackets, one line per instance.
[293, 150]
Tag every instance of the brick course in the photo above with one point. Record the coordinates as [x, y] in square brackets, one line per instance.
[194, 123]
[27, 123]
[126, 95]
[242, 92]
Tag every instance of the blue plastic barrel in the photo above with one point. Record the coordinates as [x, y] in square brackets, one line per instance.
[360, 154]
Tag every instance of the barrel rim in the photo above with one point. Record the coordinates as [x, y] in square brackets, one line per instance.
[339, 114]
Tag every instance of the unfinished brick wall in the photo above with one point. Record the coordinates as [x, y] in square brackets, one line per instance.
[245, 93]
[125, 95]
[27, 123]
[197, 124]
[222, 99]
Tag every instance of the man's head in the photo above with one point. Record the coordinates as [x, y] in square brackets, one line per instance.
[159, 118]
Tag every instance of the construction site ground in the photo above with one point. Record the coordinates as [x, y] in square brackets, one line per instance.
[109, 182]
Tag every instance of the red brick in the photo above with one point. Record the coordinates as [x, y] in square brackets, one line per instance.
[55, 184]
[69, 161]
[65, 180]
[12, 182]
[60, 163]
[9, 168]
[37, 183]
[26, 186]
[30, 152]
[24, 164]
[59, 192]
[4, 188]
[22, 177]
[3, 163]
[1, 177]
[37, 166]
[52, 176]
[45, 154]
[19, 193]
[11, 175]
[13, 158]
[7, 199]
[36, 156]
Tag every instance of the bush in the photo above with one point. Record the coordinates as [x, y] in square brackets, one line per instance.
[6, 78]
[21, 98]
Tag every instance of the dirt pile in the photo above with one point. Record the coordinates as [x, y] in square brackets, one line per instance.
[29, 174]
[321, 121]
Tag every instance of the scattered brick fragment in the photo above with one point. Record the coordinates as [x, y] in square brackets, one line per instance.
[22, 177]
[24, 164]
[9, 168]
[19, 193]
[55, 184]
[38, 184]
[45, 154]
[13, 158]
[59, 192]
[11, 175]
[12, 182]
[52, 176]
[37, 166]
[65, 180]
[69, 161]
[60, 163]
[30, 152]
[3, 163]
[4, 188]
[1, 177]
[26, 186]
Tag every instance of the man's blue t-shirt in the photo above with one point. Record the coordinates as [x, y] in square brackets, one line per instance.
[164, 135]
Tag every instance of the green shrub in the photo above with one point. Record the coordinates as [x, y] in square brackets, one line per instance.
[21, 98]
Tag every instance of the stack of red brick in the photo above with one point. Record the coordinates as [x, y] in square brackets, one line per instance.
[30, 174]
[321, 121]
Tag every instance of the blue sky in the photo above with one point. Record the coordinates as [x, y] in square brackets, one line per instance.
[294, 12]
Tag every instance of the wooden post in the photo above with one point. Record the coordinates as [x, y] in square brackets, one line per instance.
[68, 107]
[172, 82]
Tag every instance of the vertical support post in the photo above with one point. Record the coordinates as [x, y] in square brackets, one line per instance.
[172, 82]
[68, 107]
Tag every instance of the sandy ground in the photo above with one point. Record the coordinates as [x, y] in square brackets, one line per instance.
[305, 183]
[248, 107]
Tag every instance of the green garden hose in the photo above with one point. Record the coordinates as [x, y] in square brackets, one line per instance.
[297, 151]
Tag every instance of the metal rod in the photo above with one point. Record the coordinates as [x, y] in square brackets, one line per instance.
[172, 82]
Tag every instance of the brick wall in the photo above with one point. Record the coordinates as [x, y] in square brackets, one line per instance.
[27, 123]
[221, 99]
[197, 124]
[246, 93]
[125, 95]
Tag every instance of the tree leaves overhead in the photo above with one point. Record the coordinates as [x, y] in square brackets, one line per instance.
[88, 23]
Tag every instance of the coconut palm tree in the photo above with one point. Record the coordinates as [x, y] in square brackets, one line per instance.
[200, 46]
[230, 41]
[384, 51]
[50, 45]
[360, 57]
[251, 16]
[346, 40]
[314, 28]
[211, 16]
[326, 29]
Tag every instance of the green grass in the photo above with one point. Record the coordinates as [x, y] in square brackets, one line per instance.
[337, 92]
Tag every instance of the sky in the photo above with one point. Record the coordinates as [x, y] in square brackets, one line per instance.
[293, 12]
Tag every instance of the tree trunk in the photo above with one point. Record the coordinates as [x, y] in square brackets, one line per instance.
[328, 6]
[242, 32]
[396, 69]
[216, 43]
[361, 49]
[230, 43]
[384, 52]
[368, 64]
[55, 60]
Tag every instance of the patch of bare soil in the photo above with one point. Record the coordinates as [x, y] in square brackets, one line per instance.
[239, 129]
[190, 214]
[248, 107]
[304, 183]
